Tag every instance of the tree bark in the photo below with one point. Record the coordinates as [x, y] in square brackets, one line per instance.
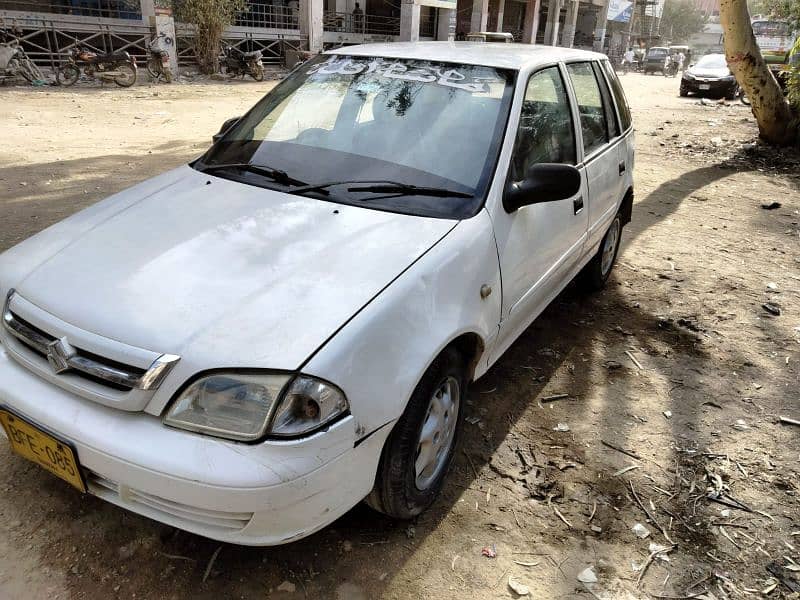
[776, 122]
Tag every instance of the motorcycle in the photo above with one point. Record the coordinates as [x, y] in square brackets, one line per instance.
[14, 62]
[158, 61]
[241, 63]
[119, 67]
[670, 67]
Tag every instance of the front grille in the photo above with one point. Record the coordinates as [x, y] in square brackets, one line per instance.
[64, 357]
[165, 510]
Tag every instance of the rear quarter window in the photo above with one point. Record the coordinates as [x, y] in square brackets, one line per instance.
[625, 119]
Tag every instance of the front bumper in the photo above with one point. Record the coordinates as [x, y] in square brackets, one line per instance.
[252, 494]
[715, 86]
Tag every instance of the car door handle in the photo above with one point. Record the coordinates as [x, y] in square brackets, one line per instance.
[622, 167]
[577, 204]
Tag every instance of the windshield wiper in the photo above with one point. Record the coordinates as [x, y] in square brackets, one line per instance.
[393, 188]
[277, 175]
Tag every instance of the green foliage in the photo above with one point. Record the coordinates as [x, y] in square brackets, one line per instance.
[793, 83]
[210, 17]
[681, 19]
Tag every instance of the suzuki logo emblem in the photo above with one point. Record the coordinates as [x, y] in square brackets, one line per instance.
[58, 354]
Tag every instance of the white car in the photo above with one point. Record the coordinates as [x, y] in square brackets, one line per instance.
[249, 345]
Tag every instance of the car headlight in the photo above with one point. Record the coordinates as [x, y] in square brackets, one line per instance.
[247, 407]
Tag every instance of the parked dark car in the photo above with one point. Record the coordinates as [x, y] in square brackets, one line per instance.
[654, 60]
[710, 76]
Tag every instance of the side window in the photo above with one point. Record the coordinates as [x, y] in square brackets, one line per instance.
[545, 132]
[608, 103]
[619, 95]
[594, 127]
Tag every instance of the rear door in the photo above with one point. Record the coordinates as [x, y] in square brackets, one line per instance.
[600, 140]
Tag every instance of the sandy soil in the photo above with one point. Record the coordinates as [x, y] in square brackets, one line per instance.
[700, 410]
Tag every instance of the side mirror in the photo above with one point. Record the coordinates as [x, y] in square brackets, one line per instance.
[225, 126]
[545, 182]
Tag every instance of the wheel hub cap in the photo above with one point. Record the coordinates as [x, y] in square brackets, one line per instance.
[610, 247]
[438, 432]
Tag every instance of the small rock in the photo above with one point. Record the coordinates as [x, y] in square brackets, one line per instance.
[347, 545]
[641, 531]
[612, 365]
[596, 529]
[771, 205]
[741, 425]
[772, 286]
[287, 586]
[411, 532]
[772, 308]
[668, 414]
[716, 141]
[562, 427]
[23, 183]
[127, 551]
[519, 588]
[587, 575]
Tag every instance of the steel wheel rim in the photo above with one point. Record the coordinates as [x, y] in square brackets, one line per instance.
[610, 247]
[437, 433]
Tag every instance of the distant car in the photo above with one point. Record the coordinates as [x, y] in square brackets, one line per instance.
[654, 60]
[710, 76]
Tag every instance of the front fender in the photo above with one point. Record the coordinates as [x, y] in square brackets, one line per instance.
[378, 357]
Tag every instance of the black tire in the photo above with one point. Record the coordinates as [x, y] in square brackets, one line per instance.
[126, 80]
[24, 70]
[683, 92]
[154, 69]
[731, 94]
[594, 276]
[396, 493]
[68, 74]
[257, 73]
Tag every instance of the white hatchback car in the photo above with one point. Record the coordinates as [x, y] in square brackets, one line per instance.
[247, 346]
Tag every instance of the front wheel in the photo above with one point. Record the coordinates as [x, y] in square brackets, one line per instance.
[127, 76]
[595, 274]
[418, 453]
[68, 74]
[154, 68]
[257, 73]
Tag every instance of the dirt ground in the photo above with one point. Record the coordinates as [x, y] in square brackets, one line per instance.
[676, 363]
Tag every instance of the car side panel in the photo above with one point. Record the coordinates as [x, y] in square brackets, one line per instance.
[378, 357]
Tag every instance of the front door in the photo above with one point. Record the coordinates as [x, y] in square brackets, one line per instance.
[539, 244]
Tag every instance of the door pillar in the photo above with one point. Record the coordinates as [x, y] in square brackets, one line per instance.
[480, 14]
[311, 23]
[551, 26]
[501, 7]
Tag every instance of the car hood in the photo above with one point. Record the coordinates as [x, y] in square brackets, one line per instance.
[218, 272]
[709, 73]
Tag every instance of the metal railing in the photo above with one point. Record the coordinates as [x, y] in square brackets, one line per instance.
[113, 9]
[268, 16]
[367, 24]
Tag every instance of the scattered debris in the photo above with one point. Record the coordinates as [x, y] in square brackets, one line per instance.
[518, 588]
[740, 425]
[633, 359]
[587, 575]
[554, 397]
[667, 414]
[211, 563]
[411, 531]
[660, 550]
[472, 420]
[287, 586]
[596, 529]
[625, 470]
[772, 308]
[772, 286]
[489, 551]
[453, 563]
[562, 427]
[788, 421]
[560, 516]
[526, 564]
[612, 365]
[641, 531]
[771, 205]
[630, 453]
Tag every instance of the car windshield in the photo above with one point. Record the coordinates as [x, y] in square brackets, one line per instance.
[364, 119]
[712, 61]
[656, 52]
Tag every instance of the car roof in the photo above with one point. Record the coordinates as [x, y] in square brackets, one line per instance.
[501, 55]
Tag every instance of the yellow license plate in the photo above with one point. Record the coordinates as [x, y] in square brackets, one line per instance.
[44, 449]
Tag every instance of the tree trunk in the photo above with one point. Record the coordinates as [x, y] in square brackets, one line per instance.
[776, 123]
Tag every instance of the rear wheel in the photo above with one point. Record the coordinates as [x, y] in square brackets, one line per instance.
[154, 68]
[595, 274]
[683, 92]
[418, 453]
[68, 74]
[127, 76]
[257, 73]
